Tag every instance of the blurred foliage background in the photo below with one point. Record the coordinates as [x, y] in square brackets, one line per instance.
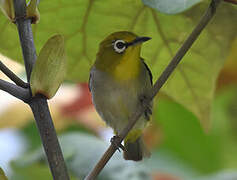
[193, 132]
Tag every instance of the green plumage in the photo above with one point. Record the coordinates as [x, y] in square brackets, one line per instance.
[117, 86]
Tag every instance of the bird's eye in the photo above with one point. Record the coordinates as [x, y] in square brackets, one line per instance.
[119, 46]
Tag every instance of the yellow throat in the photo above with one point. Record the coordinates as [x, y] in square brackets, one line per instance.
[129, 66]
[122, 66]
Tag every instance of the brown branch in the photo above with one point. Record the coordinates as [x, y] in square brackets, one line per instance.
[16, 91]
[38, 103]
[26, 40]
[13, 76]
[165, 41]
[231, 1]
[159, 83]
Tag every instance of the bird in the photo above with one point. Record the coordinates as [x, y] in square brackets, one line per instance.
[119, 82]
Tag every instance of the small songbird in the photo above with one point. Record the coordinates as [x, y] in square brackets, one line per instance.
[119, 82]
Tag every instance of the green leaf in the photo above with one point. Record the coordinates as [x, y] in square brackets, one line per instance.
[36, 171]
[86, 23]
[2, 175]
[170, 6]
[185, 138]
[224, 124]
[49, 69]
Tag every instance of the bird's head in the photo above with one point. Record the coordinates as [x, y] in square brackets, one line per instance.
[117, 47]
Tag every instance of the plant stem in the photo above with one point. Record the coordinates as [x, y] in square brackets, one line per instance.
[159, 83]
[48, 135]
[13, 76]
[16, 91]
[25, 35]
[231, 1]
[38, 104]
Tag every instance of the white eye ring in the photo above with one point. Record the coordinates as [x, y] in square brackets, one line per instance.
[119, 46]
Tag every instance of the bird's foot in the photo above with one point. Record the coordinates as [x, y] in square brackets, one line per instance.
[146, 104]
[115, 141]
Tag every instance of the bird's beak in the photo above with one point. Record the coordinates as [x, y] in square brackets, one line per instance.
[138, 40]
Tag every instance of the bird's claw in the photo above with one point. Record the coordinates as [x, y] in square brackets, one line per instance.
[115, 140]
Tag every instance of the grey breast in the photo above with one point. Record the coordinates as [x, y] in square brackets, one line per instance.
[110, 98]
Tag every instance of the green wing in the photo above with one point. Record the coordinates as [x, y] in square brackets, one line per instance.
[149, 71]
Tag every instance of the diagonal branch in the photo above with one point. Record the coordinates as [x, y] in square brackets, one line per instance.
[13, 76]
[231, 1]
[186, 45]
[159, 83]
[16, 91]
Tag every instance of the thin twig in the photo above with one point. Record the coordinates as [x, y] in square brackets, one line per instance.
[16, 91]
[38, 104]
[159, 83]
[231, 1]
[13, 76]
[25, 35]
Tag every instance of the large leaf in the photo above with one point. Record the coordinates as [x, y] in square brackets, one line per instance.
[36, 171]
[224, 125]
[86, 23]
[184, 137]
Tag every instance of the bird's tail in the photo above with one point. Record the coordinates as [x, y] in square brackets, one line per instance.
[135, 150]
